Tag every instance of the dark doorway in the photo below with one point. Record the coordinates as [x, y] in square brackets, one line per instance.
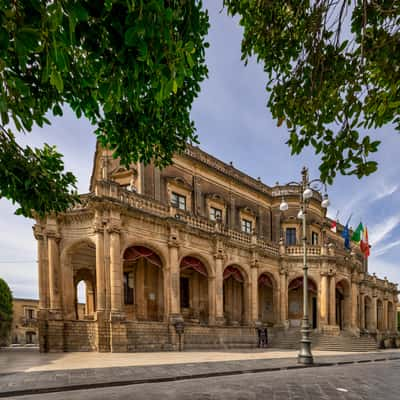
[185, 302]
[314, 313]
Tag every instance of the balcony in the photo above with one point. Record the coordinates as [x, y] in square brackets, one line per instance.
[298, 250]
[113, 191]
[28, 322]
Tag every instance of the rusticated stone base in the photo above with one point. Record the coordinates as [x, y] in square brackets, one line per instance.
[133, 336]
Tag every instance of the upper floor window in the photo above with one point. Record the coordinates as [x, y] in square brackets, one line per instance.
[290, 236]
[29, 313]
[215, 214]
[178, 201]
[314, 238]
[246, 226]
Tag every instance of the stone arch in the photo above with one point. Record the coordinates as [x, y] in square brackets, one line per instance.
[267, 297]
[235, 294]
[367, 312]
[161, 252]
[343, 303]
[295, 301]
[87, 276]
[204, 259]
[195, 291]
[143, 283]
[390, 316]
[69, 247]
[78, 258]
[379, 315]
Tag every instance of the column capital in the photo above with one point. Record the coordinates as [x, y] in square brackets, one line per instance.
[113, 229]
[283, 271]
[38, 232]
[173, 242]
[219, 255]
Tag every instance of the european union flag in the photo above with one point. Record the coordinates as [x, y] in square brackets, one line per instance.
[346, 237]
[346, 234]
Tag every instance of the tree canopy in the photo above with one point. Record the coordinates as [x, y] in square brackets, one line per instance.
[133, 68]
[6, 311]
[333, 72]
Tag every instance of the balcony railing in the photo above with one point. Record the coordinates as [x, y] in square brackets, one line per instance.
[28, 322]
[114, 191]
[298, 250]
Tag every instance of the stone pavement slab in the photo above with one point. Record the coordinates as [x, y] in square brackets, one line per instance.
[45, 380]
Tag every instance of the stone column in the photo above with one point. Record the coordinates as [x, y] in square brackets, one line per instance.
[211, 300]
[115, 269]
[324, 297]
[385, 315]
[254, 293]
[332, 300]
[354, 305]
[219, 290]
[283, 288]
[174, 288]
[42, 267]
[54, 271]
[362, 311]
[100, 273]
[374, 312]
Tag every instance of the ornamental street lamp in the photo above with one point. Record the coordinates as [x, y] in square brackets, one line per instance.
[306, 193]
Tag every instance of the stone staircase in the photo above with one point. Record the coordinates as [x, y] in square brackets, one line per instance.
[290, 339]
[344, 343]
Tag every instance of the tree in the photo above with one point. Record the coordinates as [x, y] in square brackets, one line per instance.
[333, 71]
[132, 67]
[6, 312]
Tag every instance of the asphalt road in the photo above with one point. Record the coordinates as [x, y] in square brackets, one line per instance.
[375, 381]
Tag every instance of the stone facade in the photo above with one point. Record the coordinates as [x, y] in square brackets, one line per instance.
[24, 328]
[195, 256]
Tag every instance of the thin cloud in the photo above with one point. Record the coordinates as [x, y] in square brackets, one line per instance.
[384, 249]
[386, 192]
[380, 231]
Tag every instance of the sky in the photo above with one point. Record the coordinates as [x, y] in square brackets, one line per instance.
[233, 124]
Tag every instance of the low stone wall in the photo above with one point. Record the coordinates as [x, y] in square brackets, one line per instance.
[80, 336]
[150, 336]
[219, 337]
[135, 336]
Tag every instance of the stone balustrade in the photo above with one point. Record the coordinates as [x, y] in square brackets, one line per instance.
[113, 191]
[298, 250]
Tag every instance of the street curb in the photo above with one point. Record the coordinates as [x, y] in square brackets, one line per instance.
[128, 382]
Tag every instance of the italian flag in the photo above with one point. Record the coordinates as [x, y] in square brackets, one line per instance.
[334, 226]
[364, 245]
[357, 234]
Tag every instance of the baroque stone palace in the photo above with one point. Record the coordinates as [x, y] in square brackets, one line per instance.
[196, 256]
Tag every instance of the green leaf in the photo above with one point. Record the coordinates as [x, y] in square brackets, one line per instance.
[174, 86]
[4, 40]
[131, 36]
[56, 80]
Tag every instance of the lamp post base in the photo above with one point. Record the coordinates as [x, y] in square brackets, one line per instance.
[305, 357]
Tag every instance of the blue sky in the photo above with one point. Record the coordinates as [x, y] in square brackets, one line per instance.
[233, 124]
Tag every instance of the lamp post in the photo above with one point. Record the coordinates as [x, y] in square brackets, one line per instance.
[306, 193]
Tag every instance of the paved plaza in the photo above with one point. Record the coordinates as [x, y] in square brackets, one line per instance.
[375, 381]
[69, 375]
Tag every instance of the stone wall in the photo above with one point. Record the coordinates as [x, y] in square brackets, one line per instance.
[80, 336]
[150, 336]
[221, 337]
